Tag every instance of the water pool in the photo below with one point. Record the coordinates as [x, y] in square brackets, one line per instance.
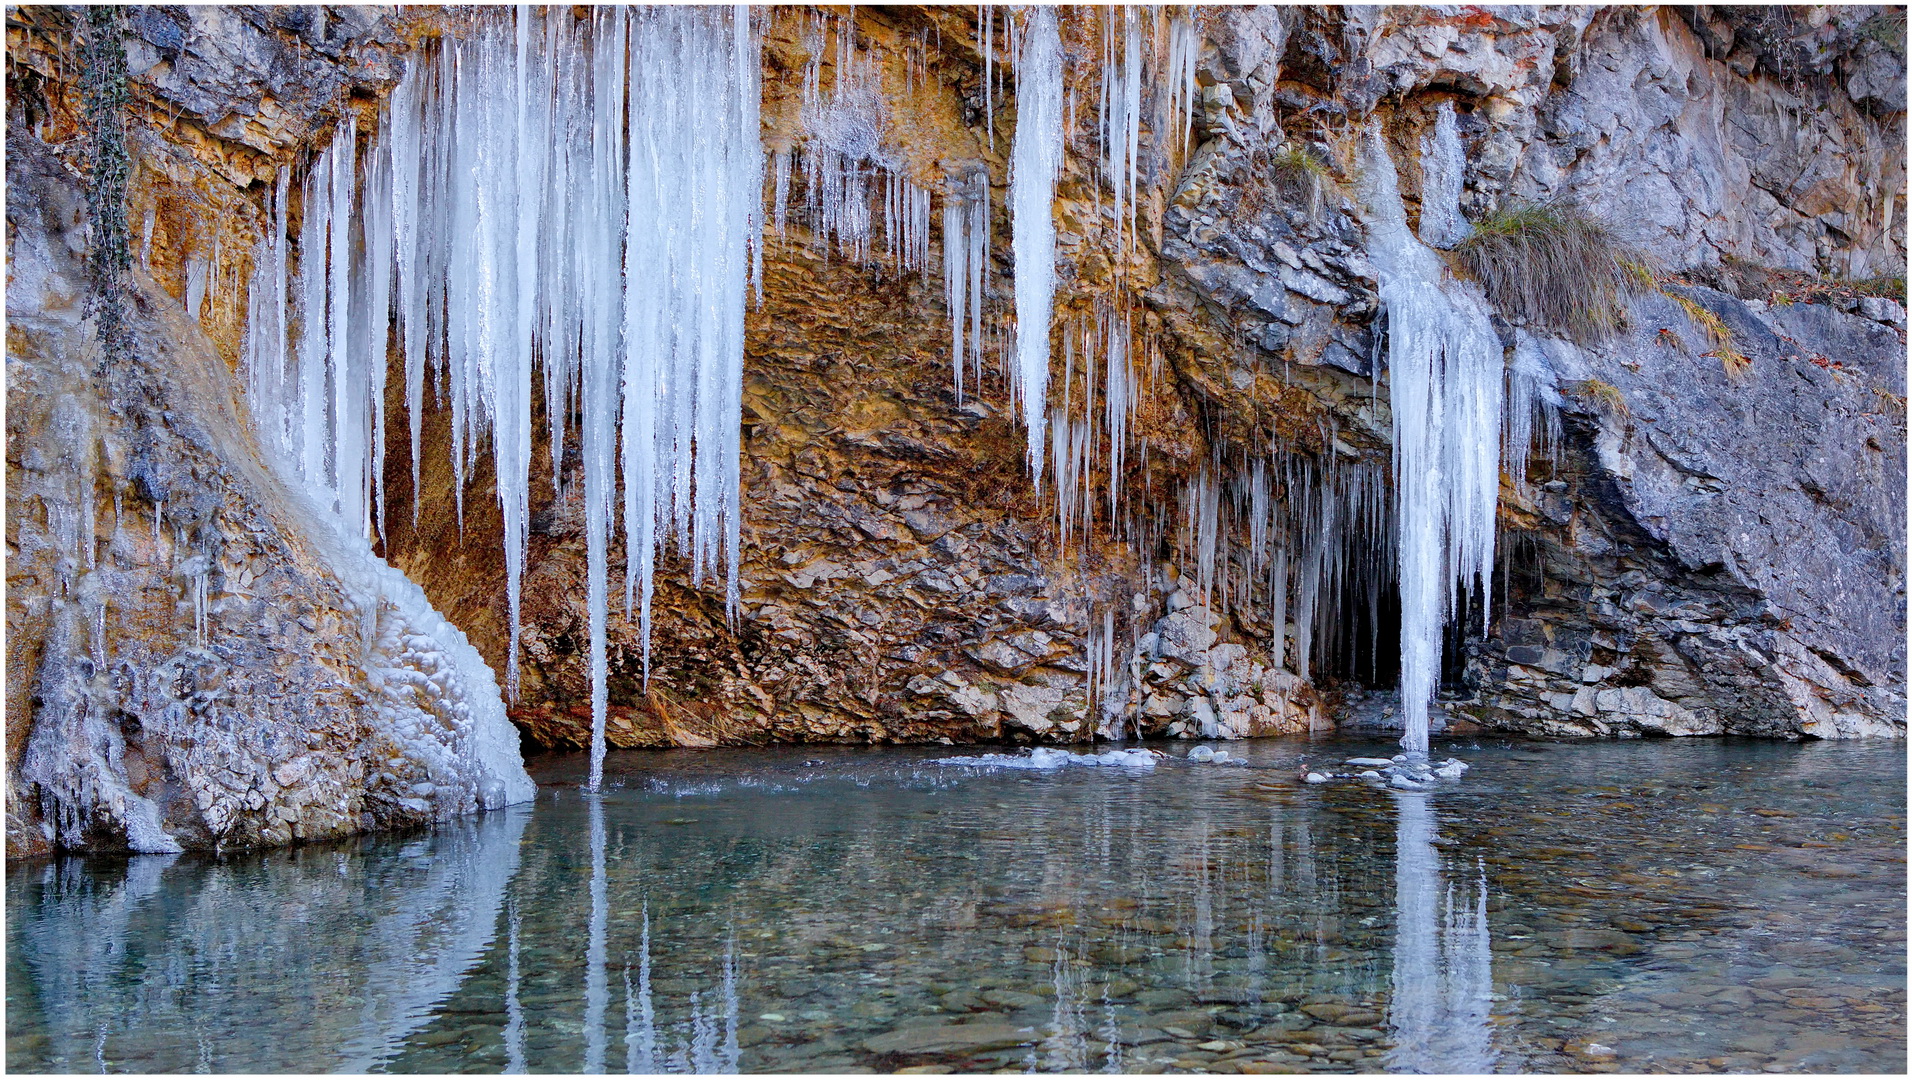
[1694, 905]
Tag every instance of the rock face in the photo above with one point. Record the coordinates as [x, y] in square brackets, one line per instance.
[192, 661]
[1723, 553]
[1701, 551]
[1716, 552]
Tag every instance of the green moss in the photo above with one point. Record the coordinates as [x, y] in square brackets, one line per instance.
[1556, 266]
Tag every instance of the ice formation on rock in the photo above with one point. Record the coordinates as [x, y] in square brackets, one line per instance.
[1445, 383]
[1043, 759]
[1120, 113]
[577, 196]
[965, 270]
[1035, 163]
[850, 166]
[1306, 532]
[319, 411]
[1443, 168]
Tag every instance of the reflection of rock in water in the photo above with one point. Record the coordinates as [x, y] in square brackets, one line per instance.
[376, 944]
[1443, 970]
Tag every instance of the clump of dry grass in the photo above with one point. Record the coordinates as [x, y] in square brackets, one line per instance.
[1302, 176]
[1718, 334]
[1890, 286]
[1606, 395]
[1557, 266]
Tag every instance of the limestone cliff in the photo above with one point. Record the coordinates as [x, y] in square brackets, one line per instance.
[1706, 546]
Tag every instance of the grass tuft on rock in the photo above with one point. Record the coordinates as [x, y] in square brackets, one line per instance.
[1302, 177]
[1606, 395]
[1718, 334]
[1557, 266]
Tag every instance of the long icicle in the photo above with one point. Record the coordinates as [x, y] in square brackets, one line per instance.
[1036, 162]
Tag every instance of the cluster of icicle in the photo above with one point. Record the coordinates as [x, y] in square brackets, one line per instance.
[315, 373]
[1035, 163]
[848, 164]
[1282, 541]
[572, 199]
[1046, 112]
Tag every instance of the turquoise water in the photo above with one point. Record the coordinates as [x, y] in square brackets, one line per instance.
[1694, 905]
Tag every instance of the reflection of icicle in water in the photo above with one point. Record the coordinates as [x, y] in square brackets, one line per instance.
[1036, 160]
[94, 942]
[1442, 978]
[1111, 1034]
[1067, 1045]
[640, 1015]
[1445, 376]
[596, 989]
[514, 1009]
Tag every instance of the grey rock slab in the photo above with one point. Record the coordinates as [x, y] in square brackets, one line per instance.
[942, 1039]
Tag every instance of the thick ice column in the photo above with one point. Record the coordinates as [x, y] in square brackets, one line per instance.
[1445, 382]
[1036, 159]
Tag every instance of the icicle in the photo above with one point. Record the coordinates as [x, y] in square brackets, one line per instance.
[956, 279]
[965, 251]
[780, 202]
[1443, 170]
[514, 1009]
[347, 449]
[1036, 162]
[196, 267]
[1122, 118]
[1184, 49]
[402, 136]
[542, 203]
[1445, 380]
[986, 15]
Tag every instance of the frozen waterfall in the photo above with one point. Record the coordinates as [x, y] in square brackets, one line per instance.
[575, 197]
[1445, 383]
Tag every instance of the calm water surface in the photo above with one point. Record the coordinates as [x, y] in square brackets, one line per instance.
[1631, 906]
